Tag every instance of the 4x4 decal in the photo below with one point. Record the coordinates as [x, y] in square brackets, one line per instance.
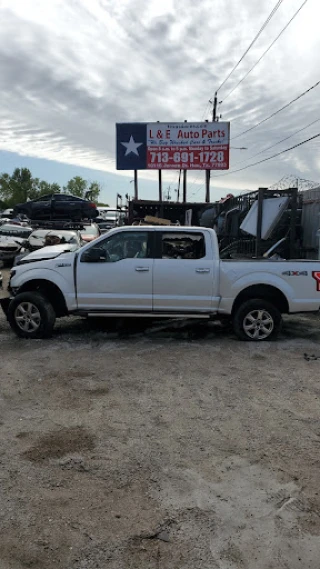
[295, 273]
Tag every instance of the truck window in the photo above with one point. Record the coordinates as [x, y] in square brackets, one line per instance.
[183, 246]
[126, 245]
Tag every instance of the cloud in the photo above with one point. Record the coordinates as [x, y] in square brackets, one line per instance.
[70, 70]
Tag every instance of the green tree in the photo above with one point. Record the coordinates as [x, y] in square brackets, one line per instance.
[77, 186]
[81, 188]
[16, 188]
[21, 186]
[43, 188]
[5, 189]
[94, 191]
[22, 182]
[55, 188]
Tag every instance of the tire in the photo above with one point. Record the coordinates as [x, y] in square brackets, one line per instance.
[257, 320]
[30, 315]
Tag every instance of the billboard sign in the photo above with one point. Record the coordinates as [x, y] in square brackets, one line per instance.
[173, 146]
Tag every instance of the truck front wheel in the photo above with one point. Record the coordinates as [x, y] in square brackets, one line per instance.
[257, 320]
[30, 315]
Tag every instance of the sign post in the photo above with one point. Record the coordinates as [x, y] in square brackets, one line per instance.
[184, 185]
[160, 186]
[136, 184]
[207, 186]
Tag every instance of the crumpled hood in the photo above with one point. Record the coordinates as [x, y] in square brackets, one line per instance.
[50, 252]
[10, 241]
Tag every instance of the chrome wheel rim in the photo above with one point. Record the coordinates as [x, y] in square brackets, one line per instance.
[258, 324]
[27, 317]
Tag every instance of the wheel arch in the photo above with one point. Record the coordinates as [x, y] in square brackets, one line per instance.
[51, 292]
[268, 292]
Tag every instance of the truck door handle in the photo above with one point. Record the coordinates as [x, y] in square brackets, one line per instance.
[202, 270]
[142, 269]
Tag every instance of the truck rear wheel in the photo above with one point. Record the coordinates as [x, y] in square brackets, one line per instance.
[30, 315]
[257, 320]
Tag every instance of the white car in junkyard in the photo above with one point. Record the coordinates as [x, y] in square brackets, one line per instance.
[46, 244]
[41, 237]
[12, 239]
[10, 247]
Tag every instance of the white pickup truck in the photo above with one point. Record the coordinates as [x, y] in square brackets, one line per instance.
[165, 272]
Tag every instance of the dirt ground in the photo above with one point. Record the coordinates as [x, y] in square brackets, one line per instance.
[160, 448]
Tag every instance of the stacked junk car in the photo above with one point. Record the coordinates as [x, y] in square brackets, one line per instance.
[62, 221]
[55, 219]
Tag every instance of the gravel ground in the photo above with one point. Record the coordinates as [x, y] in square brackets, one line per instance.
[160, 448]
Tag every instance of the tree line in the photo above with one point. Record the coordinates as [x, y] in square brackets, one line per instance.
[21, 186]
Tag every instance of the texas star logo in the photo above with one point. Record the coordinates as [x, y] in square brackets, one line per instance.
[131, 146]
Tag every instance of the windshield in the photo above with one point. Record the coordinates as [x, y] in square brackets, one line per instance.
[89, 230]
[39, 234]
[60, 238]
[15, 230]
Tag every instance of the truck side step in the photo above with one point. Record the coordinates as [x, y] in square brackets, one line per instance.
[145, 315]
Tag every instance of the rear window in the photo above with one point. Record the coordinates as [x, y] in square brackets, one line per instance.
[183, 245]
[67, 198]
[43, 199]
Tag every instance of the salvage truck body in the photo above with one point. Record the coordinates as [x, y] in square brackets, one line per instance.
[160, 272]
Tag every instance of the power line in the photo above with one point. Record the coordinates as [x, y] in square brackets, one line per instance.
[192, 183]
[276, 7]
[278, 111]
[279, 142]
[270, 157]
[262, 56]
[172, 181]
[205, 111]
[197, 191]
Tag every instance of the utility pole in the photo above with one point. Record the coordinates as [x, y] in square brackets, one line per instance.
[178, 194]
[160, 185]
[184, 185]
[135, 184]
[214, 118]
[214, 108]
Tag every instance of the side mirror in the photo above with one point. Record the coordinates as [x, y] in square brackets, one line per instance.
[94, 255]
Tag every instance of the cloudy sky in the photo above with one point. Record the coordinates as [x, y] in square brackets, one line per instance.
[71, 69]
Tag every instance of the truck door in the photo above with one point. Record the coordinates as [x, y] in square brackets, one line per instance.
[116, 273]
[185, 276]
